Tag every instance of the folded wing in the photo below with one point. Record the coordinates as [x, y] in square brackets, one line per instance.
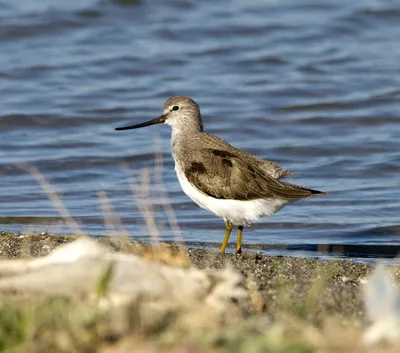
[225, 175]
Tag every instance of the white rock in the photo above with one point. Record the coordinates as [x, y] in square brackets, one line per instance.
[382, 305]
[75, 269]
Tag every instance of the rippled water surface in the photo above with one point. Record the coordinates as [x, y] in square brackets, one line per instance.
[313, 85]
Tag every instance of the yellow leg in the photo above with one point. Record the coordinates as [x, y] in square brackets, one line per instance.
[229, 227]
[239, 240]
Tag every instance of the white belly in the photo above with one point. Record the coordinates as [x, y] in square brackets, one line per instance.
[238, 212]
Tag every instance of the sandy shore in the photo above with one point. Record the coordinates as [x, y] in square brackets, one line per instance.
[275, 277]
[302, 295]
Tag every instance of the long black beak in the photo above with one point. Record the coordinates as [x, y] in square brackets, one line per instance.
[158, 120]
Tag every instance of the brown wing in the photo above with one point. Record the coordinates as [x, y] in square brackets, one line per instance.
[271, 168]
[224, 175]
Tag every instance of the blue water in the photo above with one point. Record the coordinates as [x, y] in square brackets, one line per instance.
[312, 85]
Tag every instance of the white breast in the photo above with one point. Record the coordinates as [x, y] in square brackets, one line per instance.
[238, 212]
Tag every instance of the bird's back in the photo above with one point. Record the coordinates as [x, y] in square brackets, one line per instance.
[225, 172]
[209, 141]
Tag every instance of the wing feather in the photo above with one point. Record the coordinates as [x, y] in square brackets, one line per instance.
[224, 175]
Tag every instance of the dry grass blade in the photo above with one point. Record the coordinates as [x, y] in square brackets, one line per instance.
[141, 194]
[158, 252]
[53, 197]
[169, 211]
[119, 235]
[163, 195]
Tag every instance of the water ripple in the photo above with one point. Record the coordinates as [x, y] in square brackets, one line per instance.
[313, 86]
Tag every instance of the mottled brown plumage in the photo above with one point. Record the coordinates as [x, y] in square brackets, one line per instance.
[224, 172]
[231, 183]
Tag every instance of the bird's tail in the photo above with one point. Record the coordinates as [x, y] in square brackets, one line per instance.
[317, 192]
[311, 191]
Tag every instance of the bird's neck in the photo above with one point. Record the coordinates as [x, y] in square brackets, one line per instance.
[182, 133]
[182, 137]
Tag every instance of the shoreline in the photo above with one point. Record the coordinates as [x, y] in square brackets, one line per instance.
[298, 295]
[271, 274]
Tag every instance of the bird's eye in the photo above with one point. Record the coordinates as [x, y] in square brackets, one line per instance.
[175, 107]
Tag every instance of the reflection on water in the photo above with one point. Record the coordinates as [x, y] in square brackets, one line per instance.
[311, 85]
